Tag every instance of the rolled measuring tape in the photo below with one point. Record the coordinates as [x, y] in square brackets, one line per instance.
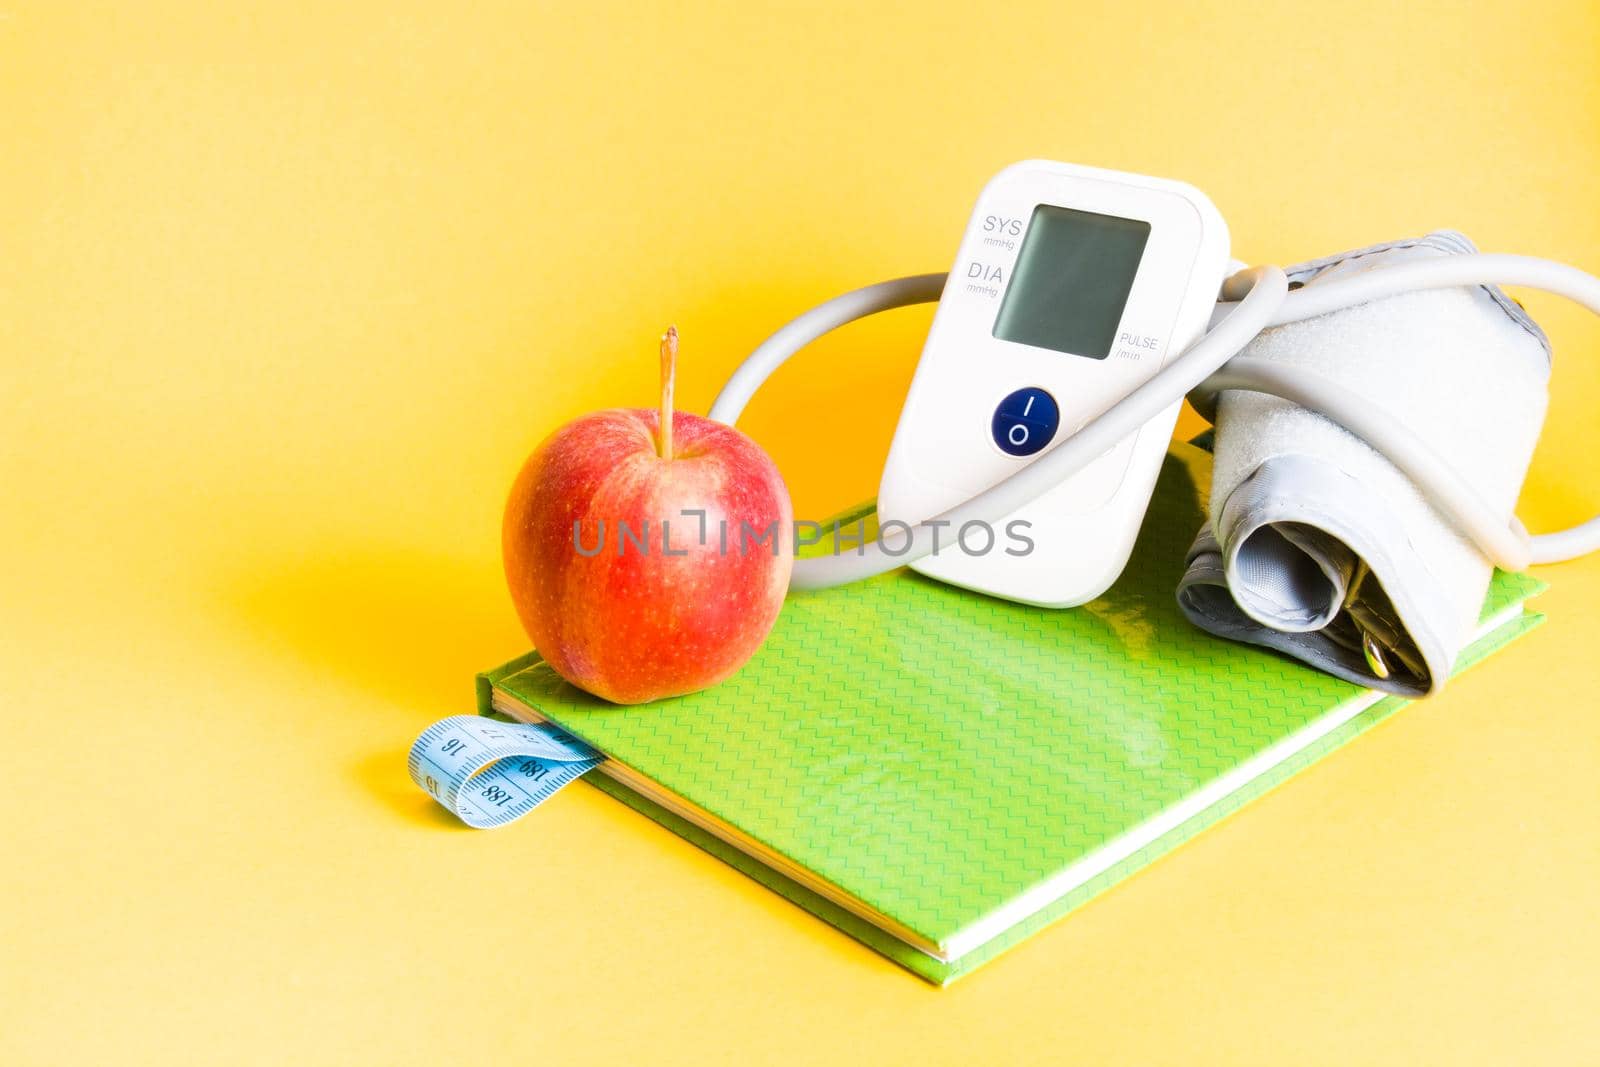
[488, 773]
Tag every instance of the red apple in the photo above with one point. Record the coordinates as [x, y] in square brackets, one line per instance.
[647, 565]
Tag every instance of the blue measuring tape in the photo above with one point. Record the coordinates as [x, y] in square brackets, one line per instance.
[488, 773]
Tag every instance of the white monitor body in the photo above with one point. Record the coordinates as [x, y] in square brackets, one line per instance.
[1121, 275]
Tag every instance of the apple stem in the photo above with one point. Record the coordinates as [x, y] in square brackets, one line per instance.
[669, 368]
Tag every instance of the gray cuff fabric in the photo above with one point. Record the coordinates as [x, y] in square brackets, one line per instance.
[1317, 546]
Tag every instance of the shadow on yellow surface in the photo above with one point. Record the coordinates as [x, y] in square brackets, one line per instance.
[407, 626]
[405, 629]
[383, 774]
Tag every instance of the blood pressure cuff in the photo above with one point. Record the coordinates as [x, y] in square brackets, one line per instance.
[1320, 548]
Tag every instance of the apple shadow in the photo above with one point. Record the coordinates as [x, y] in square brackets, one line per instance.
[408, 627]
[395, 627]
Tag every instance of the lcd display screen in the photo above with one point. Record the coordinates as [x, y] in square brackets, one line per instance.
[1071, 281]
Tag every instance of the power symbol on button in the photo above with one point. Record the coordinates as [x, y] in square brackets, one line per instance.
[1025, 422]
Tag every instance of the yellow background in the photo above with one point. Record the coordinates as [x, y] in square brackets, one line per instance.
[287, 293]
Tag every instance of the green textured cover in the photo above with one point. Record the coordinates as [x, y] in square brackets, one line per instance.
[937, 753]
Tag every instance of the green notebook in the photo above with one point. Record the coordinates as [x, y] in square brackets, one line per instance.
[940, 774]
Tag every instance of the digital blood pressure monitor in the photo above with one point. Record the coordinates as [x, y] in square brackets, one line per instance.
[1072, 287]
[1085, 304]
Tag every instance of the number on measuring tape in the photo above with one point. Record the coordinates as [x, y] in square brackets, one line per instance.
[489, 773]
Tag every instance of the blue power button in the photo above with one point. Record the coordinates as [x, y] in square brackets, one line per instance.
[1025, 421]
